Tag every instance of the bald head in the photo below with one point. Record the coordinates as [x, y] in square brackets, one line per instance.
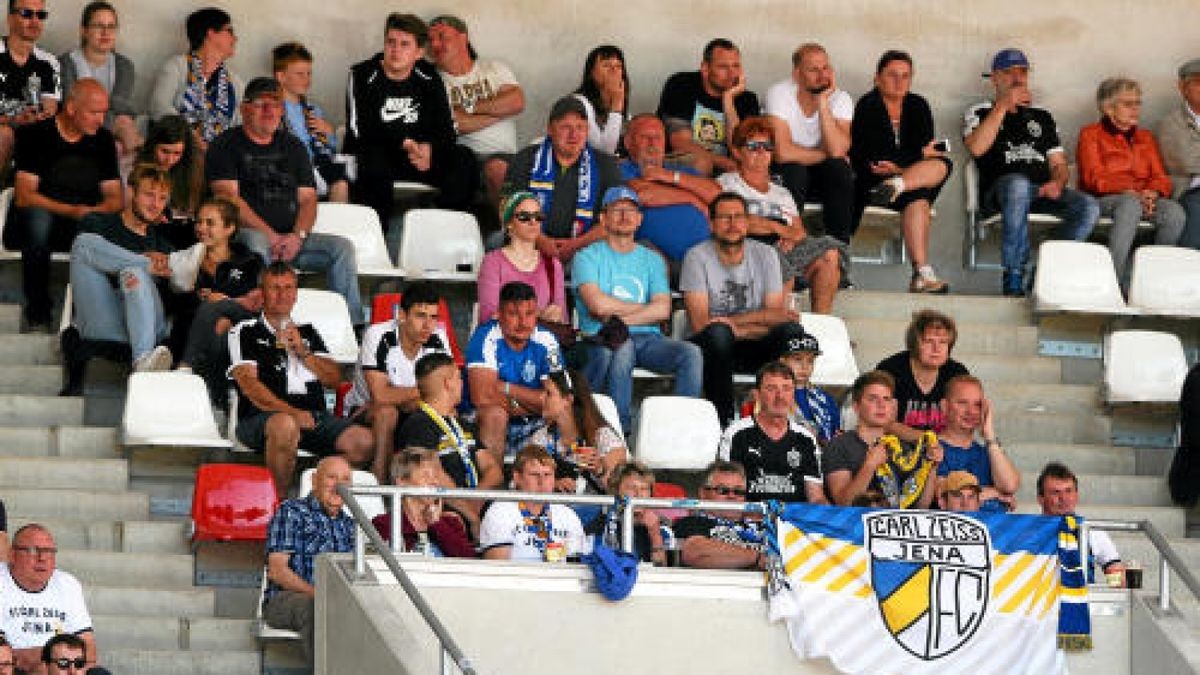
[646, 139]
[86, 107]
[331, 472]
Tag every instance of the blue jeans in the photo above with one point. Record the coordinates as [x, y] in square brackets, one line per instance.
[1016, 196]
[611, 371]
[38, 233]
[1191, 232]
[326, 253]
[131, 313]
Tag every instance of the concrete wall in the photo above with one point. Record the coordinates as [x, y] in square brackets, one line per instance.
[1073, 45]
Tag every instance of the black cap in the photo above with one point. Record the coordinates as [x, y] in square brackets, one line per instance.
[802, 343]
[262, 86]
[565, 106]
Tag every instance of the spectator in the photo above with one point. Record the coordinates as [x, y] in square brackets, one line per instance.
[125, 247]
[292, 66]
[66, 168]
[385, 381]
[428, 525]
[1179, 139]
[604, 92]
[864, 458]
[96, 57]
[722, 539]
[64, 654]
[674, 196]
[621, 286]
[568, 177]
[812, 136]
[6, 657]
[815, 408]
[279, 368]
[1119, 164]
[652, 533]
[733, 293]
[921, 372]
[959, 492]
[300, 530]
[520, 260]
[4, 546]
[775, 218]
[399, 124]
[702, 108]
[1184, 477]
[198, 85]
[780, 457]
[485, 99]
[573, 423]
[507, 359]
[227, 288]
[265, 171]
[32, 586]
[171, 147]
[523, 530]
[29, 82]
[464, 464]
[1022, 166]
[1058, 495]
[896, 161]
[966, 411]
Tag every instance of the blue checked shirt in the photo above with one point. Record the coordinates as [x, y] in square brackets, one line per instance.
[302, 528]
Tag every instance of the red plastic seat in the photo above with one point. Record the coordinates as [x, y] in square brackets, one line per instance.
[665, 490]
[339, 403]
[383, 308]
[232, 502]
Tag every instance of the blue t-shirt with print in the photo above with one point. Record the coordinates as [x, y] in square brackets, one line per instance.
[634, 277]
[526, 367]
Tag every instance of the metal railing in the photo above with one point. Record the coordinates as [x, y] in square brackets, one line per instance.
[1168, 560]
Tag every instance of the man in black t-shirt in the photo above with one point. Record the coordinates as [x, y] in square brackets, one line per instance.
[702, 108]
[265, 170]
[1022, 166]
[722, 539]
[66, 169]
[921, 373]
[30, 86]
[780, 456]
[280, 369]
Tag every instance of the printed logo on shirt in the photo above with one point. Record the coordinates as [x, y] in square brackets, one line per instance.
[708, 129]
[793, 458]
[528, 371]
[628, 288]
[404, 109]
[1034, 128]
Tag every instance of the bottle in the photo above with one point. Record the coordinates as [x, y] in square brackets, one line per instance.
[423, 546]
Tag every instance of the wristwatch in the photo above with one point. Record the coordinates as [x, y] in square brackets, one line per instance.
[303, 234]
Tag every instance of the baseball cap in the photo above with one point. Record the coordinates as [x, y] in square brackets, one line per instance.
[1189, 69]
[565, 106]
[801, 343]
[616, 194]
[262, 86]
[1009, 58]
[958, 480]
[458, 25]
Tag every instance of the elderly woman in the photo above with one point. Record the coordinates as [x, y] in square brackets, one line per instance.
[198, 85]
[775, 219]
[520, 260]
[604, 92]
[96, 57]
[896, 164]
[1119, 164]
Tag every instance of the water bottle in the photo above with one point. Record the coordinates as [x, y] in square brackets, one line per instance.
[423, 546]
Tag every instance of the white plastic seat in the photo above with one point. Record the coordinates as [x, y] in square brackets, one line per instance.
[372, 505]
[231, 428]
[608, 410]
[1143, 366]
[264, 631]
[1165, 280]
[677, 432]
[977, 227]
[836, 366]
[1076, 276]
[169, 409]
[328, 313]
[435, 242]
[360, 226]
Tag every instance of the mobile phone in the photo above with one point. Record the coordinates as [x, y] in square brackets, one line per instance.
[942, 145]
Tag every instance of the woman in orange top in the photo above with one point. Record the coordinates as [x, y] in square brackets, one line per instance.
[1120, 164]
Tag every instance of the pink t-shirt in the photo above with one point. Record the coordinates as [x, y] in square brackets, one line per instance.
[497, 270]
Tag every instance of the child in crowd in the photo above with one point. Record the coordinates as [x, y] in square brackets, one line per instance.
[815, 408]
[292, 63]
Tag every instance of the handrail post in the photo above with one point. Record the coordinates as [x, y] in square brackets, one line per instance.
[1085, 551]
[1164, 583]
[360, 554]
[627, 528]
[397, 519]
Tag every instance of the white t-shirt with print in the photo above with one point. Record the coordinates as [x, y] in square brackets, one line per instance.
[503, 525]
[30, 619]
[483, 83]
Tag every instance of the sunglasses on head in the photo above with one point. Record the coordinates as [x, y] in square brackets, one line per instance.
[67, 663]
[726, 491]
[26, 13]
[526, 216]
[760, 145]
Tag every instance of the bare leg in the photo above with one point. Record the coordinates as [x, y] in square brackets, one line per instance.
[283, 437]
[356, 444]
[339, 192]
[494, 171]
[493, 430]
[823, 277]
[923, 174]
[916, 217]
[383, 419]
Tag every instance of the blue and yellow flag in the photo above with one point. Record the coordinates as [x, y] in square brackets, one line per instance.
[890, 591]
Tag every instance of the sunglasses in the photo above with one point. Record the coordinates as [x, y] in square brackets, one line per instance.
[760, 145]
[26, 13]
[726, 491]
[36, 550]
[67, 663]
[527, 216]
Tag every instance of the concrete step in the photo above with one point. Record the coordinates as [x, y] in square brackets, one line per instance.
[1109, 489]
[858, 304]
[1054, 428]
[10, 318]
[109, 568]
[58, 441]
[176, 662]
[156, 602]
[973, 338]
[127, 536]
[39, 380]
[1168, 519]
[29, 350]
[1050, 396]
[64, 472]
[82, 505]
[23, 410]
[156, 633]
[1030, 457]
[992, 369]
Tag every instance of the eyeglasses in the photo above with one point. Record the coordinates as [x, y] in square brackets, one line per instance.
[528, 216]
[622, 211]
[103, 27]
[726, 491]
[27, 14]
[731, 217]
[760, 145]
[67, 663]
[36, 550]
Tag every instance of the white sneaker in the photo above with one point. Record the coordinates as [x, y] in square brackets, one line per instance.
[156, 359]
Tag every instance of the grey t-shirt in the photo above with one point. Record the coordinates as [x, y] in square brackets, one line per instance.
[735, 289]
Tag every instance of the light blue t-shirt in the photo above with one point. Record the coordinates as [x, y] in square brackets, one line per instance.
[293, 114]
[636, 276]
[488, 349]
